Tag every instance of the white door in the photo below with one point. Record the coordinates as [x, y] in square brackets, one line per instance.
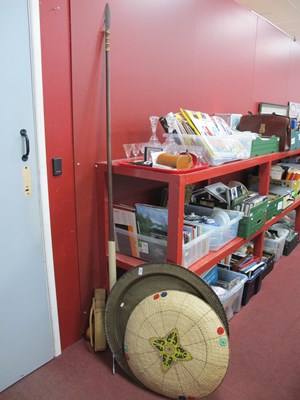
[26, 336]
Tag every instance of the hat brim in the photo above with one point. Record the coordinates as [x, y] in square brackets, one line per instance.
[142, 281]
[176, 345]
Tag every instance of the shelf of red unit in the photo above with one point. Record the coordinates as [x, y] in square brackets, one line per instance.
[176, 184]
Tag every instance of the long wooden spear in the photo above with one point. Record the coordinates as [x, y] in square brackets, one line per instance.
[111, 241]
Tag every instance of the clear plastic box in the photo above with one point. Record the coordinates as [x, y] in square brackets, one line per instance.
[232, 299]
[220, 149]
[210, 276]
[155, 250]
[196, 249]
[226, 148]
[220, 234]
[276, 245]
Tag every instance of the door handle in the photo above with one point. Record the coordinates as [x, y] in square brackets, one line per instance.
[27, 145]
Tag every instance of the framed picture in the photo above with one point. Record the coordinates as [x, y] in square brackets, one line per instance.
[294, 110]
[149, 150]
[269, 108]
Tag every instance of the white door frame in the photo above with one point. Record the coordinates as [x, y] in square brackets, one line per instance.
[38, 105]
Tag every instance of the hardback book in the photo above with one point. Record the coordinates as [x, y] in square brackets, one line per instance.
[188, 233]
[201, 122]
[125, 229]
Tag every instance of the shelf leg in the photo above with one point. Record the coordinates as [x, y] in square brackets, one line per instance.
[258, 245]
[264, 177]
[175, 222]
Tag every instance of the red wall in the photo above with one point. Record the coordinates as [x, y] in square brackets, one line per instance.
[211, 56]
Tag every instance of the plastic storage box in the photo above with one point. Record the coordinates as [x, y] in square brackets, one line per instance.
[252, 285]
[196, 249]
[219, 149]
[291, 240]
[220, 235]
[232, 299]
[155, 250]
[226, 148]
[276, 246]
[210, 276]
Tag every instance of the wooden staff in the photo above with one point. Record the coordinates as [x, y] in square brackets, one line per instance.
[111, 240]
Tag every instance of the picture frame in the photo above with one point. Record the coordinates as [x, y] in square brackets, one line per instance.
[149, 150]
[294, 110]
[270, 108]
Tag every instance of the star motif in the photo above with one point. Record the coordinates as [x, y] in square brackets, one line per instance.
[170, 349]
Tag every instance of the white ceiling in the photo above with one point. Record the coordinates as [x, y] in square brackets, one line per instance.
[284, 14]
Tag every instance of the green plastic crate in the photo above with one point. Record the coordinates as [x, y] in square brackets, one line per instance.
[255, 221]
[275, 206]
[295, 139]
[266, 145]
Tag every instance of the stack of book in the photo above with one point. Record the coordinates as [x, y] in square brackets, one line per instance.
[211, 136]
[247, 265]
[191, 231]
[196, 123]
[249, 202]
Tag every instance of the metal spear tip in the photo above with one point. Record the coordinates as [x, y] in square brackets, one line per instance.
[107, 17]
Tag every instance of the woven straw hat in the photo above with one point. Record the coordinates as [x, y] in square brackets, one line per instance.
[176, 345]
[140, 282]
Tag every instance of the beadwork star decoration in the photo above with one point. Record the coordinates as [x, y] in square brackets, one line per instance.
[170, 349]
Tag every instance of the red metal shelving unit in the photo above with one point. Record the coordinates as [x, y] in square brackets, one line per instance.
[131, 183]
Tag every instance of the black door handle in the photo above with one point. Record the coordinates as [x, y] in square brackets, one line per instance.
[27, 146]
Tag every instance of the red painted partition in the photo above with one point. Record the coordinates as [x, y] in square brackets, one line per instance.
[56, 64]
[293, 89]
[213, 56]
[271, 70]
[225, 48]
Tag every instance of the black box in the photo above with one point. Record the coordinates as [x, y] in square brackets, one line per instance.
[290, 243]
[269, 259]
[252, 286]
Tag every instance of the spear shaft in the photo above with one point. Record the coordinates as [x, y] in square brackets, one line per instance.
[111, 242]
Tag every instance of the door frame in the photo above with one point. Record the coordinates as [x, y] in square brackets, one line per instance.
[38, 106]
